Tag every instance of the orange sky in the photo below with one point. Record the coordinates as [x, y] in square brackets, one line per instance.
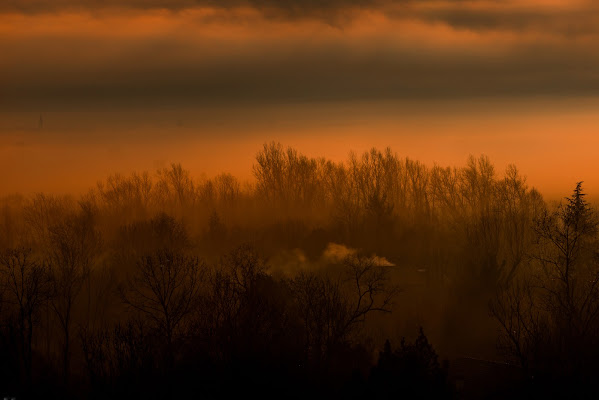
[554, 150]
[131, 85]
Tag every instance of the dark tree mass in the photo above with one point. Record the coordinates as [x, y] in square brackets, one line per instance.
[378, 277]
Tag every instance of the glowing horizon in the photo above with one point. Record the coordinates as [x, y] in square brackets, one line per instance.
[128, 85]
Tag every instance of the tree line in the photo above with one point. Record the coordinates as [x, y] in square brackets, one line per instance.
[158, 284]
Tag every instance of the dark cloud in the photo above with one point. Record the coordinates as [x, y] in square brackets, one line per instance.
[289, 8]
[71, 69]
[579, 19]
[150, 73]
[570, 22]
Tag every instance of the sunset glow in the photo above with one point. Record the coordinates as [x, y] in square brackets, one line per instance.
[435, 80]
[299, 199]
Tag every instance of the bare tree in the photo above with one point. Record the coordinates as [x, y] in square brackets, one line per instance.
[126, 197]
[117, 353]
[26, 287]
[75, 242]
[569, 261]
[332, 309]
[524, 327]
[227, 188]
[175, 185]
[286, 178]
[550, 316]
[244, 310]
[165, 288]
[368, 283]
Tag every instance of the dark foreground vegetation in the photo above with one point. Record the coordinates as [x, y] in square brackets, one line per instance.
[375, 278]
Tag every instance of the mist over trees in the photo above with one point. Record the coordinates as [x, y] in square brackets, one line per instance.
[318, 279]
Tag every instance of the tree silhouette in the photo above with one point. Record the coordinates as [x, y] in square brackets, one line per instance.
[411, 371]
[332, 309]
[75, 242]
[165, 288]
[287, 315]
[550, 318]
[26, 286]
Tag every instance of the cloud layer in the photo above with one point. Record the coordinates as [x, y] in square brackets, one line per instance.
[76, 53]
